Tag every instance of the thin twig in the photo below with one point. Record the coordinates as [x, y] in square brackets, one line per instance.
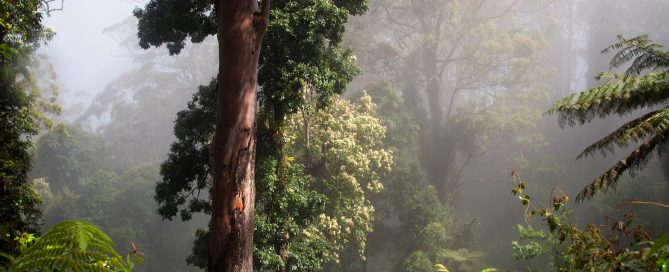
[646, 203]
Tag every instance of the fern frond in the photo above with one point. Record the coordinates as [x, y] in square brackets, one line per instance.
[632, 131]
[621, 95]
[622, 42]
[645, 54]
[632, 163]
[71, 246]
[648, 61]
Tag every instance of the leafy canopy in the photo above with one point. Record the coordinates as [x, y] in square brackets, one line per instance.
[23, 110]
[302, 46]
[342, 146]
[645, 84]
[301, 50]
[314, 205]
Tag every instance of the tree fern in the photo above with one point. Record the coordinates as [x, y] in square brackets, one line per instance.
[621, 95]
[644, 84]
[73, 246]
[645, 55]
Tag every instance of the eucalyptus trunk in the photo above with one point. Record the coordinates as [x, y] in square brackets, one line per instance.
[241, 27]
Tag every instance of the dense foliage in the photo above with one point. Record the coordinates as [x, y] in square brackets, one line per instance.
[23, 110]
[626, 246]
[316, 205]
[302, 50]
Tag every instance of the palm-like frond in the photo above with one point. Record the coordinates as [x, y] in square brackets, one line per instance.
[632, 163]
[620, 95]
[644, 54]
[72, 246]
[633, 131]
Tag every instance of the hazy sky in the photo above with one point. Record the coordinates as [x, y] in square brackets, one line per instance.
[84, 58]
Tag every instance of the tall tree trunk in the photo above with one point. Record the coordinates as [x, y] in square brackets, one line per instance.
[241, 27]
[440, 152]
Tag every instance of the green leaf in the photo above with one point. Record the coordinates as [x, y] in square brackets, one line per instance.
[659, 242]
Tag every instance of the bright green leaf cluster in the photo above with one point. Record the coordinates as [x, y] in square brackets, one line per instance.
[73, 246]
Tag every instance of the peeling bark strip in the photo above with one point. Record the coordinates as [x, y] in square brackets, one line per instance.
[241, 27]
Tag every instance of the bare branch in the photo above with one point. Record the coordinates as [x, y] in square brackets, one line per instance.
[507, 10]
[49, 9]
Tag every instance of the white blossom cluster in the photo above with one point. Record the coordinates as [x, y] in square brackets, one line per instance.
[347, 140]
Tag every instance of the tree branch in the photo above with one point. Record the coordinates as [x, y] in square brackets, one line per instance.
[49, 9]
[507, 10]
[648, 203]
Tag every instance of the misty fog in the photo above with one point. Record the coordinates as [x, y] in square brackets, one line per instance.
[387, 140]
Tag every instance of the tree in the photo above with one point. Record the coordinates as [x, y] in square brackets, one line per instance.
[305, 42]
[23, 112]
[463, 67]
[341, 149]
[240, 27]
[623, 94]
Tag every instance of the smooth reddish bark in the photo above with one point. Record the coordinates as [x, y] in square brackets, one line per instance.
[241, 27]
